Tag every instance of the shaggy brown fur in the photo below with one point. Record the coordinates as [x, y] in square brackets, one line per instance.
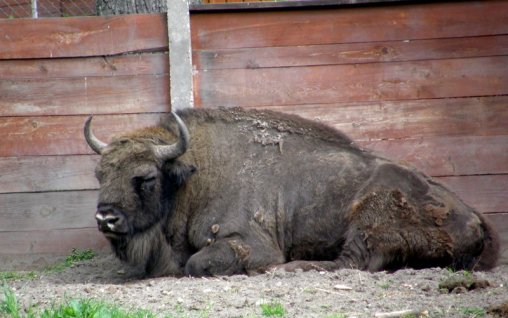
[258, 189]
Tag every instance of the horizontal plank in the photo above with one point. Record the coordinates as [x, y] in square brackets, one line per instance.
[157, 63]
[133, 64]
[348, 25]
[29, 250]
[74, 209]
[500, 223]
[440, 156]
[97, 36]
[82, 36]
[351, 53]
[447, 155]
[220, 5]
[84, 95]
[62, 135]
[47, 211]
[410, 119]
[55, 242]
[353, 83]
[47, 173]
[485, 193]
[367, 122]
[38, 240]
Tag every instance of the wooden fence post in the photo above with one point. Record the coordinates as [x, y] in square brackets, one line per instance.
[180, 55]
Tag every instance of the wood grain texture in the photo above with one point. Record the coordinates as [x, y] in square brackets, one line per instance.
[80, 67]
[54, 242]
[349, 25]
[82, 36]
[447, 155]
[500, 223]
[361, 82]
[440, 156]
[62, 135]
[351, 53]
[97, 36]
[37, 221]
[84, 95]
[72, 209]
[410, 119]
[425, 84]
[47, 211]
[485, 193]
[47, 173]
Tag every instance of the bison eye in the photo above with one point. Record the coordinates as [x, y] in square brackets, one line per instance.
[144, 184]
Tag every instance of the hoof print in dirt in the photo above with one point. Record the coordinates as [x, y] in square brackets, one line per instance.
[458, 285]
[499, 311]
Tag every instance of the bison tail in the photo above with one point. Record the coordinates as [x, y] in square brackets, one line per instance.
[490, 254]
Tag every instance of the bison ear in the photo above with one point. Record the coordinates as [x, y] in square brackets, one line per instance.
[178, 172]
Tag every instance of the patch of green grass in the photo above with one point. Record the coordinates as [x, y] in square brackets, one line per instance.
[75, 256]
[17, 275]
[79, 255]
[473, 312]
[9, 306]
[84, 308]
[386, 284]
[273, 309]
[92, 308]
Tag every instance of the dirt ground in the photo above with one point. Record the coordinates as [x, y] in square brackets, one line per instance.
[345, 293]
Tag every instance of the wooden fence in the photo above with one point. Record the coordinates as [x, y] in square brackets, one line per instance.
[422, 83]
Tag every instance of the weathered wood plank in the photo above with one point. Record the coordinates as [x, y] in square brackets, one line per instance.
[47, 173]
[485, 193]
[82, 36]
[440, 156]
[351, 53]
[72, 209]
[55, 242]
[362, 82]
[47, 211]
[62, 241]
[75, 209]
[500, 223]
[447, 155]
[366, 122]
[84, 95]
[133, 64]
[349, 25]
[97, 36]
[221, 5]
[62, 135]
[410, 119]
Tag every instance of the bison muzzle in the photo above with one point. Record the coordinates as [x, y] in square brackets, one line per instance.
[257, 190]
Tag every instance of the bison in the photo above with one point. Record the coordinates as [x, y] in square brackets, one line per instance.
[232, 191]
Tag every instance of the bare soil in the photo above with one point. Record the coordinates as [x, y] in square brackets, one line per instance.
[431, 292]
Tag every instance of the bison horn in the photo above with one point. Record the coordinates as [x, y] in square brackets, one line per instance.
[92, 141]
[177, 149]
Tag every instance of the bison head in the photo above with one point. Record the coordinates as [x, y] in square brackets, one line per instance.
[139, 174]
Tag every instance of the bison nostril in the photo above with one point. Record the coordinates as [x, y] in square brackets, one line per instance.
[107, 220]
[111, 221]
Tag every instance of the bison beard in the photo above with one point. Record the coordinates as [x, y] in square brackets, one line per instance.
[257, 190]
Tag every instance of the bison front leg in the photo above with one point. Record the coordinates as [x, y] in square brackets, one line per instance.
[353, 255]
[223, 257]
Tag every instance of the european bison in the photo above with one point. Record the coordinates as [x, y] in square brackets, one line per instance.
[230, 191]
